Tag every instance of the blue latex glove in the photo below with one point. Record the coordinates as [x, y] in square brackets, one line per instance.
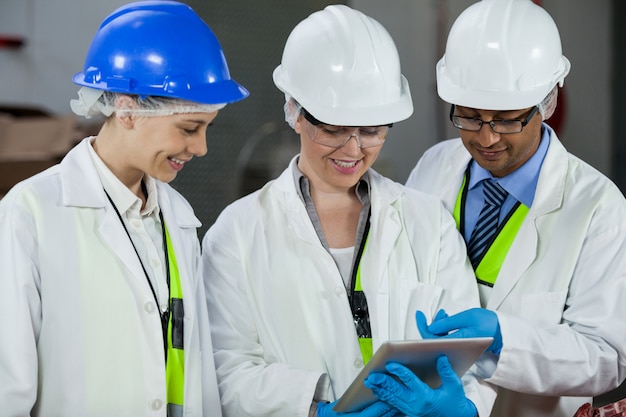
[475, 322]
[414, 398]
[377, 409]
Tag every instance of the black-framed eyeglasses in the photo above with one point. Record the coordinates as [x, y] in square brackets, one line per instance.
[474, 124]
[337, 136]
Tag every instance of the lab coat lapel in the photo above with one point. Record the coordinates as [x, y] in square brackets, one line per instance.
[548, 197]
[178, 216]
[455, 170]
[385, 229]
[82, 188]
[119, 243]
[381, 238]
[298, 219]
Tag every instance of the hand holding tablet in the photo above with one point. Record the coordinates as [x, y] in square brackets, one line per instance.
[418, 356]
[406, 393]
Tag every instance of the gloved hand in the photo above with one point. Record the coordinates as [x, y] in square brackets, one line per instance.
[414, 398]
[475, 322]
[422, 326]
[377, 409]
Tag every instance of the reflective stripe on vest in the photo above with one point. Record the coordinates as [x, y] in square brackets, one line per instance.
[489, 266]
[175, 367]
[365, 343]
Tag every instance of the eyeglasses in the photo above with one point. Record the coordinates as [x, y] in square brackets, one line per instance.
[337, 136]
[474, 124]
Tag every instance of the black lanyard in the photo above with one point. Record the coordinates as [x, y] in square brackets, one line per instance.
[358, 302]
[165, 315]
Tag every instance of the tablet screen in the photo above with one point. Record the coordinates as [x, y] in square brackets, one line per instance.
[420, 356]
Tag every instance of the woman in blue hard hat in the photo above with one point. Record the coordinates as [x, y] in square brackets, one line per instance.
[308, 276]
[103, 304]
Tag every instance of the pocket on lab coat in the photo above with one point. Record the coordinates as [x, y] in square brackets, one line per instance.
[545, 308]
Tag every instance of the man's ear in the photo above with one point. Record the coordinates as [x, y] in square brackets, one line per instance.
[124, 116]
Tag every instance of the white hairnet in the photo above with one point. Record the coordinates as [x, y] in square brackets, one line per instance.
[92, 102]
[548, 104]
[292, 110]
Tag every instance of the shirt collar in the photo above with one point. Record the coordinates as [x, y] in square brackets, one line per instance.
[122, 197]
[522, 182]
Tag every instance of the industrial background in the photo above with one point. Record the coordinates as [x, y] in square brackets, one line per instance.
[43, 43]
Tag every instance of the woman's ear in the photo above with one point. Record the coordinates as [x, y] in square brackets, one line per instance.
[124, 106]
[297, 126]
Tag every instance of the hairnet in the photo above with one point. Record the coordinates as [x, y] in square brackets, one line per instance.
[292, 110]
[92, 102]
[548, 104]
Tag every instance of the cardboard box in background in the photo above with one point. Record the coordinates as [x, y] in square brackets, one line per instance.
[31, 141]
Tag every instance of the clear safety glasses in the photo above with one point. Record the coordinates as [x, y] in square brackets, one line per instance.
[474, 124]
[337, 136]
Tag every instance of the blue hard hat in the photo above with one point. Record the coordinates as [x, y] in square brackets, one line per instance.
[159, 48]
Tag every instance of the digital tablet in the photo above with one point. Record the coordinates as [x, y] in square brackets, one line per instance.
[418, 355]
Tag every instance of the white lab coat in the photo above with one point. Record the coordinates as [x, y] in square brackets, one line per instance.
[279, 308]
[561, 293]
[81, 335]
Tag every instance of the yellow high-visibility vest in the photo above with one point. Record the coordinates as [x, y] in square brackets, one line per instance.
[489, 267]
[175, 366]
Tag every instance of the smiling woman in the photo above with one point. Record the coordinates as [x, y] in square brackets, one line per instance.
[153, 146]
[307, 276]
[103, 228]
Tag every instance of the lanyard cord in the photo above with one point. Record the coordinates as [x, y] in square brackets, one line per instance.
[358, 302]
[359, 254]
[165, 315]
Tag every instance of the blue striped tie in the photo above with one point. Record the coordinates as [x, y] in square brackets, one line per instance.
[487, 223]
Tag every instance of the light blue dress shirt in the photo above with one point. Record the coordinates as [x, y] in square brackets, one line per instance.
[520, 184]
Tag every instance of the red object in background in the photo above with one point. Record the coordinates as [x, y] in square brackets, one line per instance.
[11, 42]
[616, 409]
[558, 118]
[557, 121]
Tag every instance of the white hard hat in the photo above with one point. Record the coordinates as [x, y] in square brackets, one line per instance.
[343, 67]
[501, 55]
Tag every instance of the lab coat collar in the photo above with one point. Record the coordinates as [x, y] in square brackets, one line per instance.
[286, 183]
[123, 198]
[454, 166]
[82, 188]
[362, 189]
[79, 178]
[552, 177]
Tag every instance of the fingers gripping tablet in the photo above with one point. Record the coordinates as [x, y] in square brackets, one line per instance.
[420, 356]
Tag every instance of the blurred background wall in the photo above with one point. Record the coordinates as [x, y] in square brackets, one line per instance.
[250, 142]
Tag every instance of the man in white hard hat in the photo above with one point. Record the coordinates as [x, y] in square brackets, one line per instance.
[306, 277]
[545, 232]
